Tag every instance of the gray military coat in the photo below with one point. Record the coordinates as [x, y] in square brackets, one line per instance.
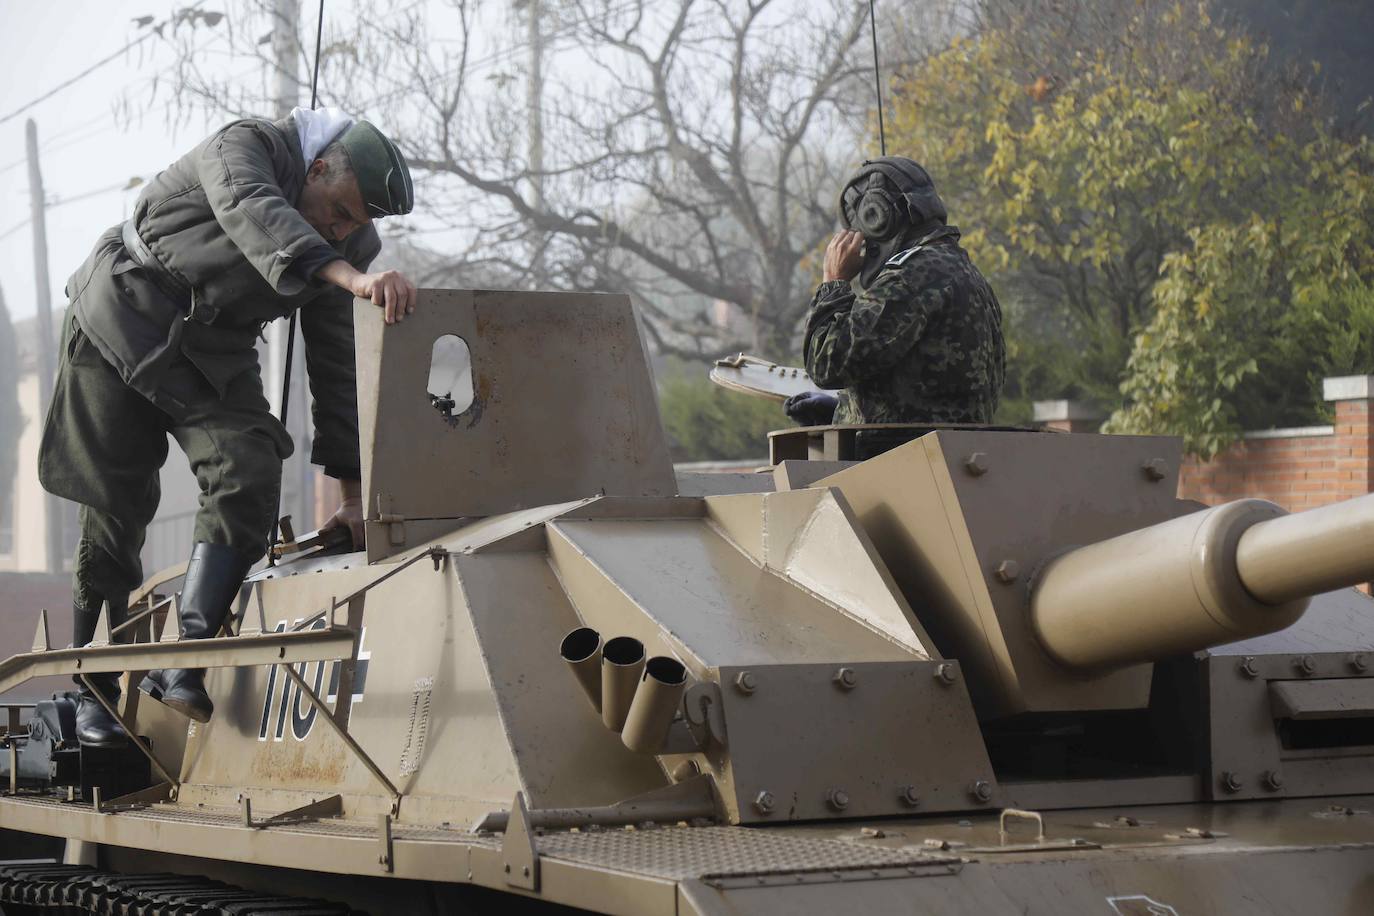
[218, 251]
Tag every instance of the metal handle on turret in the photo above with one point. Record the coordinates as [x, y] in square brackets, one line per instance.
[1227, 573]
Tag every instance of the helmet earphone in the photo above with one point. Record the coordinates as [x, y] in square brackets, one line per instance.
[880, 214]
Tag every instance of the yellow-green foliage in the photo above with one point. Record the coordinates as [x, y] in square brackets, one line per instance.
[1170, 234]
[705, 422]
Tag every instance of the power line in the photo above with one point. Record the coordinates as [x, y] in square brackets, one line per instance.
[60, 86]
[94, 67]
[63, 201]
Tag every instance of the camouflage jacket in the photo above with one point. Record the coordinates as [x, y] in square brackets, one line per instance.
[922, 343]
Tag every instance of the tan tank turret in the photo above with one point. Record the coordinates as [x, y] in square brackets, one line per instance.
[809, 691]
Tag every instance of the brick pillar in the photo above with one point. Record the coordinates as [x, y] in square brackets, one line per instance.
[1352, 396]
[1068, 416]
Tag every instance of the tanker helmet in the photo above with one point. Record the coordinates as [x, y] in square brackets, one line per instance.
[886, 200]
[888, 196]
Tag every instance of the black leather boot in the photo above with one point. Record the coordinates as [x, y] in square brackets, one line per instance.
[213, 578]
[94, 726]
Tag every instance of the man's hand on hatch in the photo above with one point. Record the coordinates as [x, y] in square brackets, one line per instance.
[388, 289]
[350, 512]
[844, 255]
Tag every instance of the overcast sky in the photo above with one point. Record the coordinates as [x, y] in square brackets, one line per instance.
[83, 146]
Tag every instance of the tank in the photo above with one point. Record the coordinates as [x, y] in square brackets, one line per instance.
[987, 671]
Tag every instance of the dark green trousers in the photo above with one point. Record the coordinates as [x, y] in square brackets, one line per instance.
[104, 444]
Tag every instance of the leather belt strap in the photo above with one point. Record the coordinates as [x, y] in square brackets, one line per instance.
[178, 289]
[143, 256]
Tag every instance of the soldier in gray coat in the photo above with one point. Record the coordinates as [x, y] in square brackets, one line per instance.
[261, 219]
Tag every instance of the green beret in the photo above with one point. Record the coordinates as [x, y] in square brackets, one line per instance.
[383, 177]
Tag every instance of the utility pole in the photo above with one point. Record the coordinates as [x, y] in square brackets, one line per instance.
[534, 105]
[285, 15]
[46, 346]
[298, 477]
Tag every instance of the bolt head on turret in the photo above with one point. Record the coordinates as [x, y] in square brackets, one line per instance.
[837, 799]
[745, 682]
[1008, 571]
[763, 802]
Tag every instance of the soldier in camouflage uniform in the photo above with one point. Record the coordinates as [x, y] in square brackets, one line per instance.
[261, 219]
[922, 343]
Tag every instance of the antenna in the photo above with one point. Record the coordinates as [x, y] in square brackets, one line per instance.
[291, 327]
[877, 77]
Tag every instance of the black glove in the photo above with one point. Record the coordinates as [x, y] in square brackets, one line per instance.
[811, 408]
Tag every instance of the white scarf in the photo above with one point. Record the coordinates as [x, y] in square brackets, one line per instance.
[318, 128]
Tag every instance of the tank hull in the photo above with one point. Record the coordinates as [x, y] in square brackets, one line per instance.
[1312, 855]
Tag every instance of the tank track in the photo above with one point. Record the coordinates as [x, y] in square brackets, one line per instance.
[76, 890]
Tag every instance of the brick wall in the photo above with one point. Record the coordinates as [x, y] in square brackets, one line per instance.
[1298, 469]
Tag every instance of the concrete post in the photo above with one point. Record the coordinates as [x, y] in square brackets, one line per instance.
[1068, 416]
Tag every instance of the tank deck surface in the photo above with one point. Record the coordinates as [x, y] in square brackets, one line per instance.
[1228, 858]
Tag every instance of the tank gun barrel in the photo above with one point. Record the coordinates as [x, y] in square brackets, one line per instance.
[1310, 552]
[1227, 573]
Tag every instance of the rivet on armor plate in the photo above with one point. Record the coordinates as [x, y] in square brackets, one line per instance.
[1273, 780]
[686, 770]
[1306, 664]
[745, 682]
[1008, 571]
[976, 464]
[909, 795]
[1247, 667]
[981, 791]
[763, 802]
[1359, 662]
[837, 799]
[946, 673]
[1231, 782]
[846, 679]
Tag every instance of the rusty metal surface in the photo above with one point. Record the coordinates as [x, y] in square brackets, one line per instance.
[578, 357]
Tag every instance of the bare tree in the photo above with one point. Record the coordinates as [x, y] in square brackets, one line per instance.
[692, 149]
